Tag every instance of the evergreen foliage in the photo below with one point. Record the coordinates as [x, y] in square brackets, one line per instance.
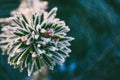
[36, 41]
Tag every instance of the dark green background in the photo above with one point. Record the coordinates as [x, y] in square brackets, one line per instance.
[95, 24]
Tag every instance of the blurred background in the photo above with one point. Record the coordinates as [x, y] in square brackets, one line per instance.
[95, 25]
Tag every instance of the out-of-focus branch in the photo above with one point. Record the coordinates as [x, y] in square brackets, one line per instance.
[32, 5]
[5, 21]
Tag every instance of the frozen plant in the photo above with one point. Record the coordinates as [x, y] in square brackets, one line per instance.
[36, 40]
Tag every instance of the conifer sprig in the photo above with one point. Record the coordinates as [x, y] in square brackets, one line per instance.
[40, 40]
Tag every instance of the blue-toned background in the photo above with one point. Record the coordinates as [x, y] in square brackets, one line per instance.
[95, 24]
